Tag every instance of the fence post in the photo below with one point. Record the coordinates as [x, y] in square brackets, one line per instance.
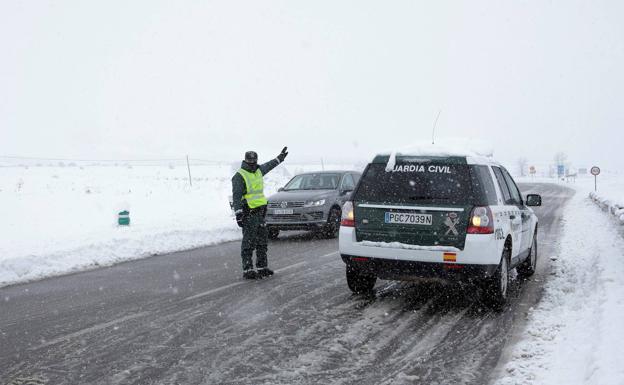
[188, 165]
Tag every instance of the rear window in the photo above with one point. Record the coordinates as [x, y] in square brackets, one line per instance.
[417, 183]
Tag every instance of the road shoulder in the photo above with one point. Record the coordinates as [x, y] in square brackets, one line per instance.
[571, 335]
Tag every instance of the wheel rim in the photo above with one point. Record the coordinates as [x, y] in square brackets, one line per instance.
[504, 277]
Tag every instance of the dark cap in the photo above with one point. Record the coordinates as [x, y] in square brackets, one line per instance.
[251, 157]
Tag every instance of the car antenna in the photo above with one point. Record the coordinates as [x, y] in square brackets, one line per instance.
[434, 126]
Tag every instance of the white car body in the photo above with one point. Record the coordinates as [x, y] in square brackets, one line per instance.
[514, 223]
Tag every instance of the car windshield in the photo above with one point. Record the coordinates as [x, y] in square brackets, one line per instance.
[319, 181]
[410, 183]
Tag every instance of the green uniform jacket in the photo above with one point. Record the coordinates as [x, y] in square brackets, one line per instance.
[239, 189]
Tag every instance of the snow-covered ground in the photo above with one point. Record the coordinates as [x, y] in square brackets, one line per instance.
[61, 219]
[57, 219]
[574, 335]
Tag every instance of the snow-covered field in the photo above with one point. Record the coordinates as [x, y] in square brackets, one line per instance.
[574, 335]
[62, 219]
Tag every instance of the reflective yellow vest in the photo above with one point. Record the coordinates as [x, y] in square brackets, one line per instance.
[255, 188]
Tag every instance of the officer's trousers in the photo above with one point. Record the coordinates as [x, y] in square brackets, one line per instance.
[255, 237]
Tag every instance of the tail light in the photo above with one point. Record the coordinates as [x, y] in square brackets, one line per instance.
[348, 218]
[481, 221]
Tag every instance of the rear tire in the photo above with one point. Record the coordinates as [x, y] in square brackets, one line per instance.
[273, 233]
[332, 228]
[358, 282]
[529, 265]
[497, 287]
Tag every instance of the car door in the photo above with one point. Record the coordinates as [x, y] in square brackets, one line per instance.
[525, 212]
[511, 212]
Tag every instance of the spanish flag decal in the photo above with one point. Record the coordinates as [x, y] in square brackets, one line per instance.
[450, 257]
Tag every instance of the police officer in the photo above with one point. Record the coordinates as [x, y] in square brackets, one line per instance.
[250, 206]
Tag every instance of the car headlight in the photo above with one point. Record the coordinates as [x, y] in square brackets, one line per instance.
[317, 203]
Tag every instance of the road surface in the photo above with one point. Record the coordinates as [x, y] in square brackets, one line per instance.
[189, 318]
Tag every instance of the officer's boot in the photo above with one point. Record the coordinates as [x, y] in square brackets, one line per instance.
[250, 274]
[264, 272]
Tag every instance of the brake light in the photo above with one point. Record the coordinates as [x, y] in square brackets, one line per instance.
[348, 218]
[481, 221]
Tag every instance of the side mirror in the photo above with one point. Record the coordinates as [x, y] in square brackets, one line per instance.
[344, 192]
[348, 194]
[280, 189]
[534, 200]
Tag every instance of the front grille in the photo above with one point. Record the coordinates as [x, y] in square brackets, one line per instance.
[289, 205]
[304, 217]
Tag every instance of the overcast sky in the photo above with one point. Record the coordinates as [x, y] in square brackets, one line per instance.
[332, 79]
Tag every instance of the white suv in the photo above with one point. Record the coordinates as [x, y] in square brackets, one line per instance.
[454, 216]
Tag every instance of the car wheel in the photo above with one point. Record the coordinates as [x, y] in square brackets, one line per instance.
[273, 233]
[332, 228]
[529, 265]
[496, 288]
[359, 282]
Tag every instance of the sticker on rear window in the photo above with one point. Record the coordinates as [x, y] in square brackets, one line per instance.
[422, 168]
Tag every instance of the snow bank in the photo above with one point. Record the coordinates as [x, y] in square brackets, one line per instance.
[574, 335]
[615, 208]
[56, 220]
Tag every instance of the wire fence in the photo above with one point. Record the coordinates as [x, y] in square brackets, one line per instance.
[24, 161]
[194, 172]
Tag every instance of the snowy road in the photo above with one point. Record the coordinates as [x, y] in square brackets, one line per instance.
[188, 318]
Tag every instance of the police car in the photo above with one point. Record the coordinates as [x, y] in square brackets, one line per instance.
[452, 216]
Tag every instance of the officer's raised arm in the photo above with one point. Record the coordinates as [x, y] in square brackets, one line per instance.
[270, 165]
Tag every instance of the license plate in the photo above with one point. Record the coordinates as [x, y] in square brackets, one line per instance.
[409, 219]
[282, 211]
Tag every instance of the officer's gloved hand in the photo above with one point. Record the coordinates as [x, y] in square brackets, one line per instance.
[239, 218]
[283, 154]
